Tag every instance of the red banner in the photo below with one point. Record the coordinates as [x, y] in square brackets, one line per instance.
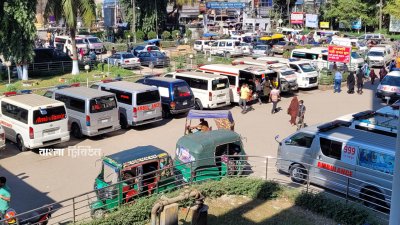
[339, 54]
[297, 18]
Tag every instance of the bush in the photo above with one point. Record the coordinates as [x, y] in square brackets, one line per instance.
[127, 34]
[188, 33]
[166, 35]
[11, 87]
[334, 209]
[175, 34]
[139, 35]
[151, 35]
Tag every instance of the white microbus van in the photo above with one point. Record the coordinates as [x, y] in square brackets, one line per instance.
[210, 90]
[93, 43]
[33, 121]
[2, 138]
[226, 47]
[319, 57]
[389, 88]
[91, 112]
[237, 75]
[350, 161]
[138, 104]
[64, 43]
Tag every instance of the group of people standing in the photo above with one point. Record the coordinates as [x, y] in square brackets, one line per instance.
[358, 78]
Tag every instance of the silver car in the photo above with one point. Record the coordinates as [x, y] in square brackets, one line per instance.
[124, 60]
[261, 51]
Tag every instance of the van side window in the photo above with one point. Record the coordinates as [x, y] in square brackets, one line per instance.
[300, 140]
[14, 112]
[232, 79]
[332, 149]
[296, 68]
[122, 97]
[198, 84]
[229, 44]
[376, 161]
[169, 76]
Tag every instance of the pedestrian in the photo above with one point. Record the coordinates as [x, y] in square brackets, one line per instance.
[5, 196]
[373, 76]
[244, 96]
[345, 68]
[274, 97]
[303, 39]
[293, 110]
[113, 51]
[259, 90]
[382, 73]
[365, 69]
[338, 82]
[81, 54]
[351, 82]
[392, 65]
[267, 88]
[360, 82]
[301, 113]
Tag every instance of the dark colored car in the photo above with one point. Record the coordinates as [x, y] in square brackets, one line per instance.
[45, 55]
[144, 48]
[176, 95]
[153, 59]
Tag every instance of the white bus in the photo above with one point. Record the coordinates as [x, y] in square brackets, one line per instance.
[210, 90]
[91, 112]
[33, 121]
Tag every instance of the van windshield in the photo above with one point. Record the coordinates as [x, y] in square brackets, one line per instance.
[147, 97]
[373, 53]
[181, 91]
[260, 47]
[102, 104]
[94, 40]
[307, 67]
[287, 72]
[79, 41]
[391, 81]
[355, 55]
[220, 84]
[48, 115]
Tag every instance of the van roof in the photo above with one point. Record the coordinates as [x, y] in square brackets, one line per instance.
[227, 39]
[207, 76]
[164, 79]
[233, 69]
[82, 92]
[128, 86]
[378, 48]
[394, 73]
[317, 50]
[360, 137]
[30, 100]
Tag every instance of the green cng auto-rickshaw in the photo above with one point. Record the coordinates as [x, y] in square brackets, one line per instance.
[209, 155]
[129, 174]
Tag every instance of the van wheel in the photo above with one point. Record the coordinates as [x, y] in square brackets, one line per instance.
[198, 105]
[298, 174]
[228, 55]
[20, 144]
[123, 122]
[374, 199]
[76, 131]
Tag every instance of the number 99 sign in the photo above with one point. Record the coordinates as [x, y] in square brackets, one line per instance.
[349, 154]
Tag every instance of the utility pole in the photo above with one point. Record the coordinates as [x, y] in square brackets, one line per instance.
[288, 12]
[155, 5]
[134, 21]
[395, 203]
[380, 14]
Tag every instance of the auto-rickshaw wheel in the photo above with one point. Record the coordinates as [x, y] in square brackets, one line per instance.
[98, 214]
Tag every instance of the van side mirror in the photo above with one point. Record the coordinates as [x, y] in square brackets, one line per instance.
[276, 139]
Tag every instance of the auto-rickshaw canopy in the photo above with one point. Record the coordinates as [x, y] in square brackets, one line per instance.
[223, 118]
[272, 37]
[135, 156]
[202, 145]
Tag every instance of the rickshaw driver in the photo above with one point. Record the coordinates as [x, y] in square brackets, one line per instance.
[203, 126]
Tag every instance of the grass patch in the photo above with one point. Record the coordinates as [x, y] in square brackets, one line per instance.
[249, 201]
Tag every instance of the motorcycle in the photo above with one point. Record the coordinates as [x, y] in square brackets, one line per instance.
[38, 217]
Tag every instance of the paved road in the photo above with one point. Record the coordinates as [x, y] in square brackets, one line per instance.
[36, 180]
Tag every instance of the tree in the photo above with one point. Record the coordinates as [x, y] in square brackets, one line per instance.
[18, 33]
[70, 10]
[393, 8]
[347, 11]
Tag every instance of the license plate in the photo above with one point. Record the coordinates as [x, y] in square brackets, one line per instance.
[50, 132]
[184, 103]
[221, 95]
[149, 112]
[387, 97]
[104, 121]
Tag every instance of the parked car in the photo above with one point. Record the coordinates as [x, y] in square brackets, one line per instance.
[202, 45]
[144, 48]
[153, 59]
[226, 47]
[262, 50]
[283, 46]
[379, 56]
[124, 60]
[247, 48]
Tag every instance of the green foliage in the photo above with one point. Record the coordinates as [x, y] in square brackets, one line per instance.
[175, 34]
[151, 35]
[188, 33]
[166, 35]
[11, 87]
[334, 209]
[127, 34]
[393, 8]
[139, 35]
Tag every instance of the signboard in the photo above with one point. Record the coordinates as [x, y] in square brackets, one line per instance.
[312, 20]
[356, 25]
[339, 54]
[349, 154]
[297, 18]
[394, 25]
[226, 5]
[323, 24]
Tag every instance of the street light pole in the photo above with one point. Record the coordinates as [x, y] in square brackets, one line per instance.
[134, 20]
[395, 203]
[288, 11]
[380, 15]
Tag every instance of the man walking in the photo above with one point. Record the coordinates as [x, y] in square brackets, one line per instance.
[274, 98]
[360, 82]
[244, 95]
[338, 82]
[300, 115]
[5, 196]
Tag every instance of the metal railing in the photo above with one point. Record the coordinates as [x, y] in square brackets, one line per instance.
[300, 175]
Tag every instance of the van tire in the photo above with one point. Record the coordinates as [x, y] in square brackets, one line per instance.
[228, 55]
[123, 122]
[76, 131]
[166, 114]
[373, 198]
[198, 105]
[20, 144]
[298, 174]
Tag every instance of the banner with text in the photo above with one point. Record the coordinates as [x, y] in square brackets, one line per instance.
[339, 54]
[323, 24]
[297, 18]
[394, 25]
[312, 20]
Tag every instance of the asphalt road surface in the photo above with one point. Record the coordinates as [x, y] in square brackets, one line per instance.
[36, 180]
